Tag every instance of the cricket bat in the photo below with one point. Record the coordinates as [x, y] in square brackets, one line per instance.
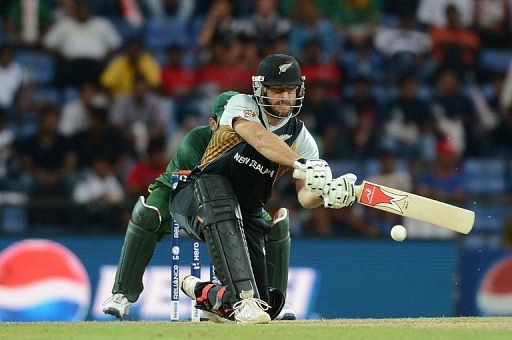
[410, 205]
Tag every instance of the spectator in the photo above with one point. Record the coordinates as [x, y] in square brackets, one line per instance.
[250, 54]
[505, 110]
[74, 113]
[330, 128]
[219, 25]
[433, 12]
[404, 47]
[317, 70]
[454, 46]
[361, 116]
[99, 185]
[309, 24]
[119, 75]
[266, 25]
[99, 195]
[357, 19]
[11, 77]
[492, 21]
[177, 78]
[82, 42]
[176, 9]
[362, 60]
[443, 183]
[224, 70]
[454, 113]
[25, 111]
[7, 137]
[102, 139]
[28, 20]
[409, 124]
[400, 8]
[47, 157]
[145, 171]
[141, 115]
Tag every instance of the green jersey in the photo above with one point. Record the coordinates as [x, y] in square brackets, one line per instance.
[189, 154]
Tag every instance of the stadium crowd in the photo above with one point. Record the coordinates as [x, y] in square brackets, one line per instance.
[96, 95]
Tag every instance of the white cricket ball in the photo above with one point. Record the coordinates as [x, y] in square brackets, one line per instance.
[398, 233]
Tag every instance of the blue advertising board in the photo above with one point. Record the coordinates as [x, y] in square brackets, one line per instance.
[328, 278]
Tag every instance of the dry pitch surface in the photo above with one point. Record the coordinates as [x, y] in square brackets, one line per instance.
[422, 328]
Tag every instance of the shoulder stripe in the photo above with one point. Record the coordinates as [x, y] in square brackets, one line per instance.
[223, 139]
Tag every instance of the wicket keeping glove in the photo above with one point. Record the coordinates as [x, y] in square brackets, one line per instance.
[340, 192]
[316, 174]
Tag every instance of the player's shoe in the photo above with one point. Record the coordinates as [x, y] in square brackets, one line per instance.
[251, 310]
[287, 313]
[188, 286]
[117, 305]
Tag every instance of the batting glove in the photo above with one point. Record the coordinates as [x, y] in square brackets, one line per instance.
[317, 174]
[340, 192]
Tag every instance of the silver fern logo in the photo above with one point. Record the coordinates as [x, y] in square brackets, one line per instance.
[284, 67]
[285, 137]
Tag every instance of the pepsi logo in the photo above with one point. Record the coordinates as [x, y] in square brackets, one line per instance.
[494, 296]
[41, 280]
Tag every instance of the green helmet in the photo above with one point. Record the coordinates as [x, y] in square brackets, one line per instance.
[220, 102]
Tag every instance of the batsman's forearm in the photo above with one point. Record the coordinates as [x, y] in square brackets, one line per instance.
[273, 148]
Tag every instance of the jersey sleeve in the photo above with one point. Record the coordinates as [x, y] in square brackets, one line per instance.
[305, 145]
[240, 106]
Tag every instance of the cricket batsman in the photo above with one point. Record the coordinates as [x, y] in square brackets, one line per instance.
[151, 219]
[259, 140]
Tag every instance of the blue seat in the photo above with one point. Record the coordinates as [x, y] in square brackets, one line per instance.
[161, 33]
[39, 66]
[496, 60]
[485, 176]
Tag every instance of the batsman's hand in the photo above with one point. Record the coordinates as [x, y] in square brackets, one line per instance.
[316, 173]
[340, 192]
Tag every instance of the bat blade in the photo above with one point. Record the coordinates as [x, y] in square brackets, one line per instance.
[417, 207]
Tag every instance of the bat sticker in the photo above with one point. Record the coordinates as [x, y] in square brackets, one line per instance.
[376, 196]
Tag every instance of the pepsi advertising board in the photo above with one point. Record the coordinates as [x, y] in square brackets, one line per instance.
[41, 280]
[67, 279]
[486, 275]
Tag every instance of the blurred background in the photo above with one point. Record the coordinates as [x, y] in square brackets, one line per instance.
[96, 95]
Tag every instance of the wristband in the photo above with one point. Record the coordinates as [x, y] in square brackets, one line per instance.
[299, 163]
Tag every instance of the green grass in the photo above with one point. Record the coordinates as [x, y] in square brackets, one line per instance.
[381, 329]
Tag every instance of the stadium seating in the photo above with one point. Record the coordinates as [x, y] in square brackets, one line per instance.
[485, 176]
[39, 66]
[157, 34]
[495, 60]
